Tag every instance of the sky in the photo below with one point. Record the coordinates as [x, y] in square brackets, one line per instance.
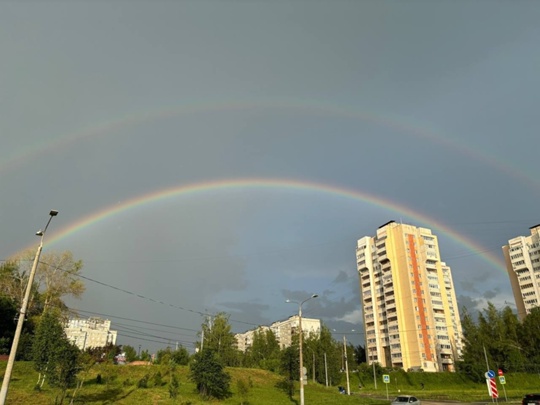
[225, 156]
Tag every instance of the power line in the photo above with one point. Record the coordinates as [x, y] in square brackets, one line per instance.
[146, 298]
[131, 319]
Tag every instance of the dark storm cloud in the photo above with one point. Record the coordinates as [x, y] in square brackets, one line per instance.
[491, 293]
[468, 286]
[471, 304]
[342, 277]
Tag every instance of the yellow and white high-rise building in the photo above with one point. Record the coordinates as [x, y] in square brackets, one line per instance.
[522, 256]
[411, 317]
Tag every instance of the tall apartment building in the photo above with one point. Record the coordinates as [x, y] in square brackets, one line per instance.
[89, 333]
[411, 317]
[522, 256]
[283, 330]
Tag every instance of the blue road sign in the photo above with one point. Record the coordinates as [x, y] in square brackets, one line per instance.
[491, 373]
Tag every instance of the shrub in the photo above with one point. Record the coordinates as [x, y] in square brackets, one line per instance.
[143, 382]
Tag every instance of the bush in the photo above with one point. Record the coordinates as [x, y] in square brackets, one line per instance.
[242, 387]
[208, 374]
[174, 386]
[158, 380]
[143, 382]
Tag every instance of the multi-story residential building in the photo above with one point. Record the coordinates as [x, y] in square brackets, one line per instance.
[411, 317]
[283, 330]
[522, 256]
[245, 340]
[89, 333]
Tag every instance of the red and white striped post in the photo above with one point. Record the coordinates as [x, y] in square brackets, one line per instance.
[492, 385]
[493, 388]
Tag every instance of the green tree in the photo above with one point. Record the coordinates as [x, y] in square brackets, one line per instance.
[13, 283]
[264, 351]
[146, 356]
[472, 363]
[323, 348]
[174, 385]
[242, 386]
[511, 355]
[104, 354]
[57, 277]
[63, 368]
[289, 368]
[8, 312]
[131, 353]
[86, 362]
[180, 356]
[529, 339]
[207, 372]
[217, 336]
[47, 341]
[54, 355]
[360, 354]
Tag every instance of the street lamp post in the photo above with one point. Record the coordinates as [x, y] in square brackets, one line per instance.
[346, 361]
[346, 364]
[22, 313]
[374, 374]
[300, 344]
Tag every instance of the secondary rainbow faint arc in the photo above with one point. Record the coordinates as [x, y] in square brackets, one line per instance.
[271, 183]
[397, 123]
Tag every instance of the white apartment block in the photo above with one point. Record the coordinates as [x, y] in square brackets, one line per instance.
[90, 333]
[522, 257]
[245, 340]
[283, 330]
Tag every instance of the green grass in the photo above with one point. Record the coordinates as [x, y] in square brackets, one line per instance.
[119, 386]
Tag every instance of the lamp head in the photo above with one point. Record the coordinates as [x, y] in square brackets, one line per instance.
[39, 233]
[314, 295]
[53, 213]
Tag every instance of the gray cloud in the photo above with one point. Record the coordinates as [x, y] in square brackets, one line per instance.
[154, 100]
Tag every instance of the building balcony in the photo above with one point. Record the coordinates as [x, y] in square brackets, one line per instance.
[390, 306]
[392, 323]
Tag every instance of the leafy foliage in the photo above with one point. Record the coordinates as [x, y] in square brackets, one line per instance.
[174, 385]
[168, 356]
[54, 355]
[264, 352]
[324, 349]
[104, 354]
[207, 372]
[8, 312]
[57, 277]
[217, 337]
[131, 353]
[242, 386]
[500, 340]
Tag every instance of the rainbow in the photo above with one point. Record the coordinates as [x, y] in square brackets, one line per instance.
[279, 184]
[395, 123]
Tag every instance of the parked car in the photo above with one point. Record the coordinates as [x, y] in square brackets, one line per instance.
[406, 400]
[531, 399]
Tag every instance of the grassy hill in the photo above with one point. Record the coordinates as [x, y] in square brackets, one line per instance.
[107, 384]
